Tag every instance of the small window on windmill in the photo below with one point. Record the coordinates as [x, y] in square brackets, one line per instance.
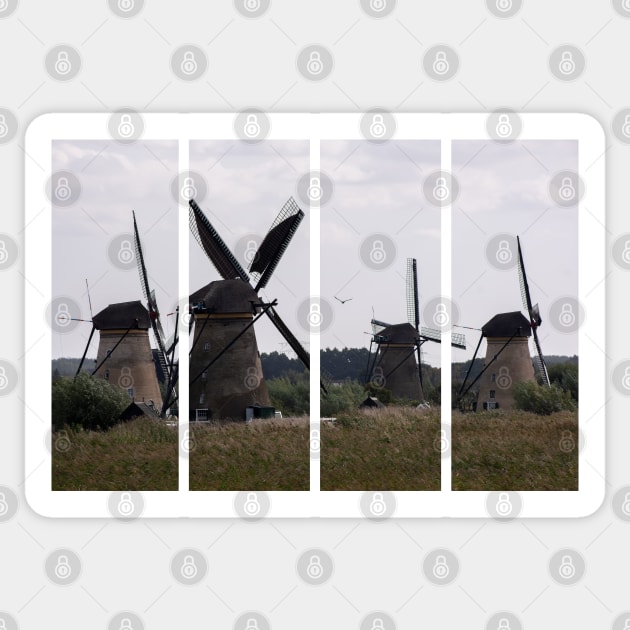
[204, 376]
[492, 393]
[107, 375]
[493, 378]
[130, 392]
[202, 398]
[206, 346]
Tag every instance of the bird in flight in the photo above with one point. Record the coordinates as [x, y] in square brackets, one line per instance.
[342, 301]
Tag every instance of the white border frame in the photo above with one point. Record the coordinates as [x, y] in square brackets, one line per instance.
[316, 127]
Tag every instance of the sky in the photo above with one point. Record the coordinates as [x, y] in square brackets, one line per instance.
[377, 190]
[247, 185]
[115, 179]
[504, 189]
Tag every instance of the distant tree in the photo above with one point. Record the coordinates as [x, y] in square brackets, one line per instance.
[565, 376]
[290, 394]
[341, 398]
[91, 403]
[541, 399]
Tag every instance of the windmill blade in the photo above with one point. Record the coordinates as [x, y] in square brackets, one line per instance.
[283, 329]
[539, 360]
[213, 245]
[149, 295]
[413, 305]
[378, 325]
[431, 334]
[275, 243]
[532, 311]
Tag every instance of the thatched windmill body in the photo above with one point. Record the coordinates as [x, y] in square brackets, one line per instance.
[508, 360]
[226, 374]
[397, 364]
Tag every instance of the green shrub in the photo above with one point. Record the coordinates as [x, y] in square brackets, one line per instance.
[87, 402]
[540, 399]
[341, 398]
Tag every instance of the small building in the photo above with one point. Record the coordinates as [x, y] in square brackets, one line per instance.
[371, 402]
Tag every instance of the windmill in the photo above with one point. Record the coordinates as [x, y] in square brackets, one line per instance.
[225, 370]
[124, 355]
[165, 351]
[399, 345]
[508, 359]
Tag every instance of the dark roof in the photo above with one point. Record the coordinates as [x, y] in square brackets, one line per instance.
[138, 409]
[371, 401]
[225, 296]
[398, 333]
[122, 315]
[506, 324]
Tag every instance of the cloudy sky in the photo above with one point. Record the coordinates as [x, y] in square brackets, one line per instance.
[377, 190]
[504, 188]
[115, 179]
[247, 185]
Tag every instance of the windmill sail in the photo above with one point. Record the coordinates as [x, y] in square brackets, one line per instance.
[413, 304]
[290, 338]
[534, 316]
[214, 246]
[275, 243]
[149, 295]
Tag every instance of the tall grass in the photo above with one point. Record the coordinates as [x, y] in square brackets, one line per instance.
[137, 455]
[266, 455]
[382, 449]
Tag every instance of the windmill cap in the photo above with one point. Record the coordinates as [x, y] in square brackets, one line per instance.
[225, 296]
[122, 315]
[506, 325]
[399, 333]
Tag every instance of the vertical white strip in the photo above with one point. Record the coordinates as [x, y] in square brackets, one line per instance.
[315, 339]
[445, 269]
[184, 291]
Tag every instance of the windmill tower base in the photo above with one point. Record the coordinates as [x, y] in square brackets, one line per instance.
[396, 365]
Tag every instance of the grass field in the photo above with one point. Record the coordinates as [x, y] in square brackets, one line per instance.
[266, 455]
[514, 451]
[138, 455]
[383, 449]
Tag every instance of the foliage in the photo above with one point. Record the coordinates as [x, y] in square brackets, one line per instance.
[540, 399]
[290, 394]
[565, 375]
[277, 365]
[344, 397]
[137, 455]
[90, 403]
